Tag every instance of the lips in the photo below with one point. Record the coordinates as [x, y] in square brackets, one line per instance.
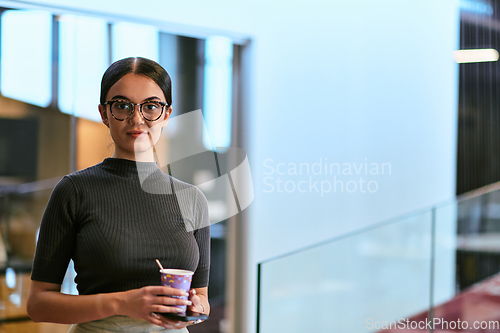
[136, 133]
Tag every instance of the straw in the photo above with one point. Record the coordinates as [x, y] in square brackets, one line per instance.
[159, 264]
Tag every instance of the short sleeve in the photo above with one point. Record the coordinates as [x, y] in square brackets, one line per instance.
[202, 236]
[56, 240]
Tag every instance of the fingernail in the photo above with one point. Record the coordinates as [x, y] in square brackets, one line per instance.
[188, 303]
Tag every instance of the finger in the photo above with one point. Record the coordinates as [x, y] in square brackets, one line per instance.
[180, 325]
[165, 322]
[165, 300]
[167, 309]
[171, 323]
[196, 300]
[157, 319]
[166, 290]
[196, 308]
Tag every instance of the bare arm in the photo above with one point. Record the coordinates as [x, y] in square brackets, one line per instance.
[47, 304]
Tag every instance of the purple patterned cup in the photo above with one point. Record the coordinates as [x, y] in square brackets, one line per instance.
[177, 278]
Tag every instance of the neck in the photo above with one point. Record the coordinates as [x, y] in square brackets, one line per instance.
[143, 156]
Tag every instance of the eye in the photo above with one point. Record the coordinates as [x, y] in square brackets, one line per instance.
[122, 106]
[151, 106]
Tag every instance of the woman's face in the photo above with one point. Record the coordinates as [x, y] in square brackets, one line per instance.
[134, 137]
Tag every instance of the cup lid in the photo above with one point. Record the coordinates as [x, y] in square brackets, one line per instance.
[175, 271]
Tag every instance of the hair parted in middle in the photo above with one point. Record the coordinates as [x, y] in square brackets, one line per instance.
[139, 66]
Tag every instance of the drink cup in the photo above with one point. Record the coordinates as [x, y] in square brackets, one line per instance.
[177, 278]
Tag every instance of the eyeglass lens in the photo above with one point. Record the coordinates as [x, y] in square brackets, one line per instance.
[150, 110]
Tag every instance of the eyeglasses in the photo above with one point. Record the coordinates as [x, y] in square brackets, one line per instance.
[150, 110]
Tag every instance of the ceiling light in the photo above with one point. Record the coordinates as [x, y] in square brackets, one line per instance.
[478, 55]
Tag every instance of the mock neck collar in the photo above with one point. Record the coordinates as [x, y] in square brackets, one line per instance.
[129, 168]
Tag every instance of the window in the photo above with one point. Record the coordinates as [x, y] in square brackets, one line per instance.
[83, 58]
[134, 40]
[26, 65]
[217, 92]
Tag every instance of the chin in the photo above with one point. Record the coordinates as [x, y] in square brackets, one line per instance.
[142, 147]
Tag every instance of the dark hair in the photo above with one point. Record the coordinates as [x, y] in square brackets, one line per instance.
[140, 66]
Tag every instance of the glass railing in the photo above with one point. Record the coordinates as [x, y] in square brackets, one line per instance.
[434, 270]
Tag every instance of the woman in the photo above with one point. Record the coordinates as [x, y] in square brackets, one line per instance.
[115, 218]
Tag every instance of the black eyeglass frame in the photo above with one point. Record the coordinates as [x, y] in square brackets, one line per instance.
[110, 103]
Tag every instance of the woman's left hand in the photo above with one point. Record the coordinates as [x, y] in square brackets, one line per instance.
[195, 299]
[195, 307]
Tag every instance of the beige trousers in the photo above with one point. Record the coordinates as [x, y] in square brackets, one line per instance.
[121, 324]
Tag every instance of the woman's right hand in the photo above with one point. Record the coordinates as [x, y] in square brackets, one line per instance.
[145, 302]
[46, 303]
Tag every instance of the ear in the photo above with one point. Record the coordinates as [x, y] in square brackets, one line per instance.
[104, 115]
[168, 113]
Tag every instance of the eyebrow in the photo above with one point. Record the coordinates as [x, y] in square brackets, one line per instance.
[147, 99]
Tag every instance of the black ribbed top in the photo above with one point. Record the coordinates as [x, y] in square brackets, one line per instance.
[114, 219]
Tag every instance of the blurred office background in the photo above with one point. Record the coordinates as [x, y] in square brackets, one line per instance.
[369, 147]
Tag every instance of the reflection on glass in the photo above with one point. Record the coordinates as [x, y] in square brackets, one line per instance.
[83, 58]
[26, 60]
[134, 40]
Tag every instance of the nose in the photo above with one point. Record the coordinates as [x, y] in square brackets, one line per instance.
[136, 117]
